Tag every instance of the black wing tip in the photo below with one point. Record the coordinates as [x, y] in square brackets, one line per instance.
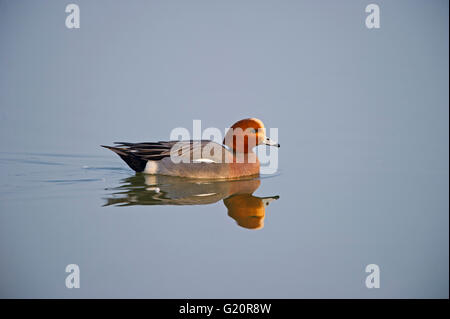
[117, 150]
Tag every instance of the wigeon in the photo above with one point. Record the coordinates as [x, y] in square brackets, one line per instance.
[203, 158]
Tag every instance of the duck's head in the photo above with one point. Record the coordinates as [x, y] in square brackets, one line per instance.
[246, 134]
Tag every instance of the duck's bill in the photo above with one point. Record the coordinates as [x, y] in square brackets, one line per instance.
[270, 142]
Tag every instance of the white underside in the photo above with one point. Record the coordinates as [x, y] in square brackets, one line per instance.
[151, 167]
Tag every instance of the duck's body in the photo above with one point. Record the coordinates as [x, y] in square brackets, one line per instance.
[199, 159]
[202, 169]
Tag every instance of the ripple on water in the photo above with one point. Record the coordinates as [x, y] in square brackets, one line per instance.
[71, 181]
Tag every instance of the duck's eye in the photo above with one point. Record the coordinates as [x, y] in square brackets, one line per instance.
[252, 130]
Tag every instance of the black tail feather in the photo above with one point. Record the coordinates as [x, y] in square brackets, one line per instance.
[134, 162]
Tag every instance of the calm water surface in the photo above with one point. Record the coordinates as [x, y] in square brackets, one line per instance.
[137, 235]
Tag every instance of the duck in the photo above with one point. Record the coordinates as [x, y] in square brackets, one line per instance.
[201, 159]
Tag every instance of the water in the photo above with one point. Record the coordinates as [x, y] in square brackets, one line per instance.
[363, 169]
[147, 236]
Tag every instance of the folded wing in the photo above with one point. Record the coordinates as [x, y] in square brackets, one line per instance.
[136, 155]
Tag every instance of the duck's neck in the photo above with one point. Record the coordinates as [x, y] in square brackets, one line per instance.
[247, 157]
[236, 148]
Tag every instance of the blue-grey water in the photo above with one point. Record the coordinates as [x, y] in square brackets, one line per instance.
[363, 124]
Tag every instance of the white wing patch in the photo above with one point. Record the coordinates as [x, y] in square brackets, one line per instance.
[203, 160]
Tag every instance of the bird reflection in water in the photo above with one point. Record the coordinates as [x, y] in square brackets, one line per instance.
[237, 195]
